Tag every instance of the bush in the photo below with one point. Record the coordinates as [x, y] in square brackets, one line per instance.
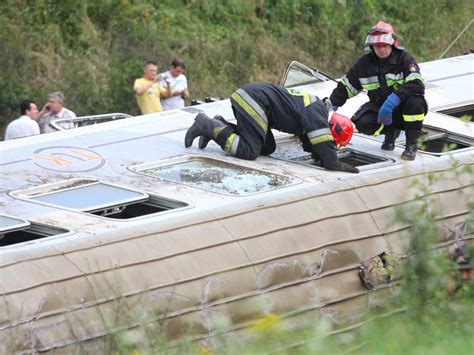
[93, 50]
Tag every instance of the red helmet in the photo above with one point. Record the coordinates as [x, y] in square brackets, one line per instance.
[381, 33]
[341, 129]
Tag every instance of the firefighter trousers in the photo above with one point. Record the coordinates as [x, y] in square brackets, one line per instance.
[408, 116]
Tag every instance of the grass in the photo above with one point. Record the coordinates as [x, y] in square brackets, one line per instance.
[93, 50]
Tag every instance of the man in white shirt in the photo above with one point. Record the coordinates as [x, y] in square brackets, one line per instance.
[179, 85]
[26, 124]
[53, 110]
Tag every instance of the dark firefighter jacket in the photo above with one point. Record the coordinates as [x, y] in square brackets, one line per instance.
[284, 109]
[380, 77]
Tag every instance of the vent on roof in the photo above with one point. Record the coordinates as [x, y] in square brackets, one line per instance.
[14, 231]
[291, 150]
[99, 198]
[214, 175]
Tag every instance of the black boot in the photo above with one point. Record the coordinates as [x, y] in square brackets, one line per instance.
[390, 137]
[203, 126]
[411, 145]
[204, 140]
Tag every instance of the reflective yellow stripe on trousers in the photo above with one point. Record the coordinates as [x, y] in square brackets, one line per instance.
[232, 143]
[251, 107]
[413, 118]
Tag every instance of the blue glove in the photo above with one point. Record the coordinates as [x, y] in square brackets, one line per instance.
[385, 113]
[334, 107]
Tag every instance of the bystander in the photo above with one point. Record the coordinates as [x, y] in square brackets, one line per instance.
[54, 109]
[26, 124]
[149, 91]
[179, 85]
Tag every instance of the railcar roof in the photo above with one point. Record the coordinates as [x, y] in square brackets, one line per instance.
[119, 153]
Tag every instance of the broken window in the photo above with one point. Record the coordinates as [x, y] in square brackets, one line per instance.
[214, 175]
[15, 230]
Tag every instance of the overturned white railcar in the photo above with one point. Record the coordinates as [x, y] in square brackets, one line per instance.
[104, 220]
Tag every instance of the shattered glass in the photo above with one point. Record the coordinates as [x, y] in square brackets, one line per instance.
[219, 176]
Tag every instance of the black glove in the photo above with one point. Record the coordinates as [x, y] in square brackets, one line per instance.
[269, 146]
[326, 151]
[345, 167]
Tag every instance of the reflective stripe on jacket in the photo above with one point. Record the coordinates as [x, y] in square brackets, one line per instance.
[287, 110]
[379, 78]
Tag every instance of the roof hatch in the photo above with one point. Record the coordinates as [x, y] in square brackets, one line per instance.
[290, 150]
[348, 156]
[214, 175]
[298, 74]
[15, 230]
[98, 198]
[463, 111]
[440, 143]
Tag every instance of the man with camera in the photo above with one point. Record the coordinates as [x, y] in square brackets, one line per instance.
[148, 90]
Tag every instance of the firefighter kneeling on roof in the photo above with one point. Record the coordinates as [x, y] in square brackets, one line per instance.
[258, 107]
[395, 88]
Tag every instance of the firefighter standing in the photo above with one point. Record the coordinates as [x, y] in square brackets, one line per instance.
[258, 107]
[395, 88]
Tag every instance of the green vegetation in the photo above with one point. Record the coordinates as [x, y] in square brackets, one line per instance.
[93, 50]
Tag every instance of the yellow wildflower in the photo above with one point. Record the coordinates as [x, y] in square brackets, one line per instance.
[266, 323]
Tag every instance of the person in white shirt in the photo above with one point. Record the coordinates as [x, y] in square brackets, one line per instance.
[54, 109]
[26, 124]
[179, 85]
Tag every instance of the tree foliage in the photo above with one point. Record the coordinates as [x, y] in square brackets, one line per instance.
[92, 50]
